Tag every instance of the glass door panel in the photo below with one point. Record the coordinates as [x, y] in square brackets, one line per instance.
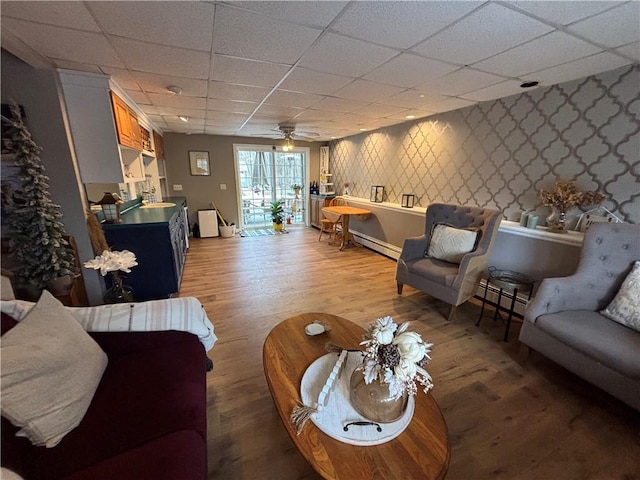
[264, 176]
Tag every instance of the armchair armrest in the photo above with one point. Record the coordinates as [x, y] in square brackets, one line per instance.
[414, 247]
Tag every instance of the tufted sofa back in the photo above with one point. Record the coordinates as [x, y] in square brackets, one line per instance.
[462, 216]
[608, 253]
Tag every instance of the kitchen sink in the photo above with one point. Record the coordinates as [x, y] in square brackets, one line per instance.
[159, 205]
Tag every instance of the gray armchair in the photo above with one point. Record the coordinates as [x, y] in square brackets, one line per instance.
[563, 321]
[449, 282]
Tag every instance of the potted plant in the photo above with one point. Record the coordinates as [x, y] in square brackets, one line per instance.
[277, 215]
[296, 188]
[36, 233]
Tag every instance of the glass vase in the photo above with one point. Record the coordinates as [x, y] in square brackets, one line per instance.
[118, 293]
[556, 221]
[373, 401]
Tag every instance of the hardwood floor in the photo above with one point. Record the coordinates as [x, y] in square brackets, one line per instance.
[505, 420]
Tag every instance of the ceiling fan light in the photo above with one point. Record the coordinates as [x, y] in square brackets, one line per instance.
[184, 118]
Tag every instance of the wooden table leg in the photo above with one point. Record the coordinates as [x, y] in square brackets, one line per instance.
[345, 231]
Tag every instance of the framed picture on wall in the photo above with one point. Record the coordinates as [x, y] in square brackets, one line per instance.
[199, 163]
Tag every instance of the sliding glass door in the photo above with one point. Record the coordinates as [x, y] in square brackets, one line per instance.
[265, 175]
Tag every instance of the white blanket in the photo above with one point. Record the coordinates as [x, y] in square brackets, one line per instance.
[183, 314]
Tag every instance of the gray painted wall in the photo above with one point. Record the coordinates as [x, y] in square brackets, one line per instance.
[38, 91]
[499, 154]
[200, 191]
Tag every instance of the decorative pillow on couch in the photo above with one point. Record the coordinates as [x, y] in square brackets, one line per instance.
[450, 243]
[51, 369]
[625, 307]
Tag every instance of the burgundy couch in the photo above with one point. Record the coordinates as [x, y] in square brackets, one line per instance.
[147, 419]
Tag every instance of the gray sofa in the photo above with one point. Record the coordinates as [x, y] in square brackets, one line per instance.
[564, 324]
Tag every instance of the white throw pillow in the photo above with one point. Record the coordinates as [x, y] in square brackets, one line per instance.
[51, 369]
[451, 244]
[625, 307]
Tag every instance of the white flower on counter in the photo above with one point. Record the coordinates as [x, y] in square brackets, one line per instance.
[110, 261]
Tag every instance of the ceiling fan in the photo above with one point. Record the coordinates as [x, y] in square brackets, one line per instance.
[289, 133]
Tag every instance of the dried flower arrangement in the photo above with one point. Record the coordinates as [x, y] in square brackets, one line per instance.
[564, 195]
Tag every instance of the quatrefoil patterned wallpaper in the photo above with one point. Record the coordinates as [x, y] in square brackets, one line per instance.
[499, 154]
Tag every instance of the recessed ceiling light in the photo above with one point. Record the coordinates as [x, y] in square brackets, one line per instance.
[409, 117]
[183, 118]
[529, 84]
[363, 129]
[174, 90]
[421, 96]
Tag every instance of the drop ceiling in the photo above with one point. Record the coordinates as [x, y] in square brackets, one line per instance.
[330, 68]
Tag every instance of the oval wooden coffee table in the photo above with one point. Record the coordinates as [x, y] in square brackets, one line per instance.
[421, 452]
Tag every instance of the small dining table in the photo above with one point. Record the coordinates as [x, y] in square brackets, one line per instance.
[346, 211]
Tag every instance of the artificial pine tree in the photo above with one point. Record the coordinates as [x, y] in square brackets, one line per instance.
[36, 234]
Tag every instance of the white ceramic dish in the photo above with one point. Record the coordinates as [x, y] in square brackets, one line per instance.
[314, 329]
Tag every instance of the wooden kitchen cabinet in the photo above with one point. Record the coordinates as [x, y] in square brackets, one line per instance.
[316, 203]
[158, 143]
[127, 125]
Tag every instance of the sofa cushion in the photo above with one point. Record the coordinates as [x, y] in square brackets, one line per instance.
[148, 391]
[50, 371]
[179, 455]
[450, 244]
[597, 337]
[625, 307]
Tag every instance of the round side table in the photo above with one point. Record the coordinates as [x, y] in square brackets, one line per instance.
[506, 280]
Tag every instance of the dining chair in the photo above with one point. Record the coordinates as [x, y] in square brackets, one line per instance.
[331, 223]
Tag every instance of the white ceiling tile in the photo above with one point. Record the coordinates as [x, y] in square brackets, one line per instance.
[632, 50]
[157, 119]
[449, 104]
[178, 101]
[152, 83]
[140, 98]
[310, 81]
[279, 111]
[379, 110]
[613, 28]
[147, 57]
[543, 52]
[307, 13]
[247, 72]
[504, 89]
[64, 44]
[412, 98]
[176, 122]
[179, 24]
[293, 99]
[81, 67]
[486, 32]
[123, 78]
[416, 112]
[461, 81]
[220, 118]
[311, 115]
[63, 14]
[563, 12]
[173, 111]
[248, 35]
[219, 131]
[334, 104]
[232, 91]
[345, 56]
[399, 24]
[602, 62]
[230, 106]
[408, 70]
[367, 91]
